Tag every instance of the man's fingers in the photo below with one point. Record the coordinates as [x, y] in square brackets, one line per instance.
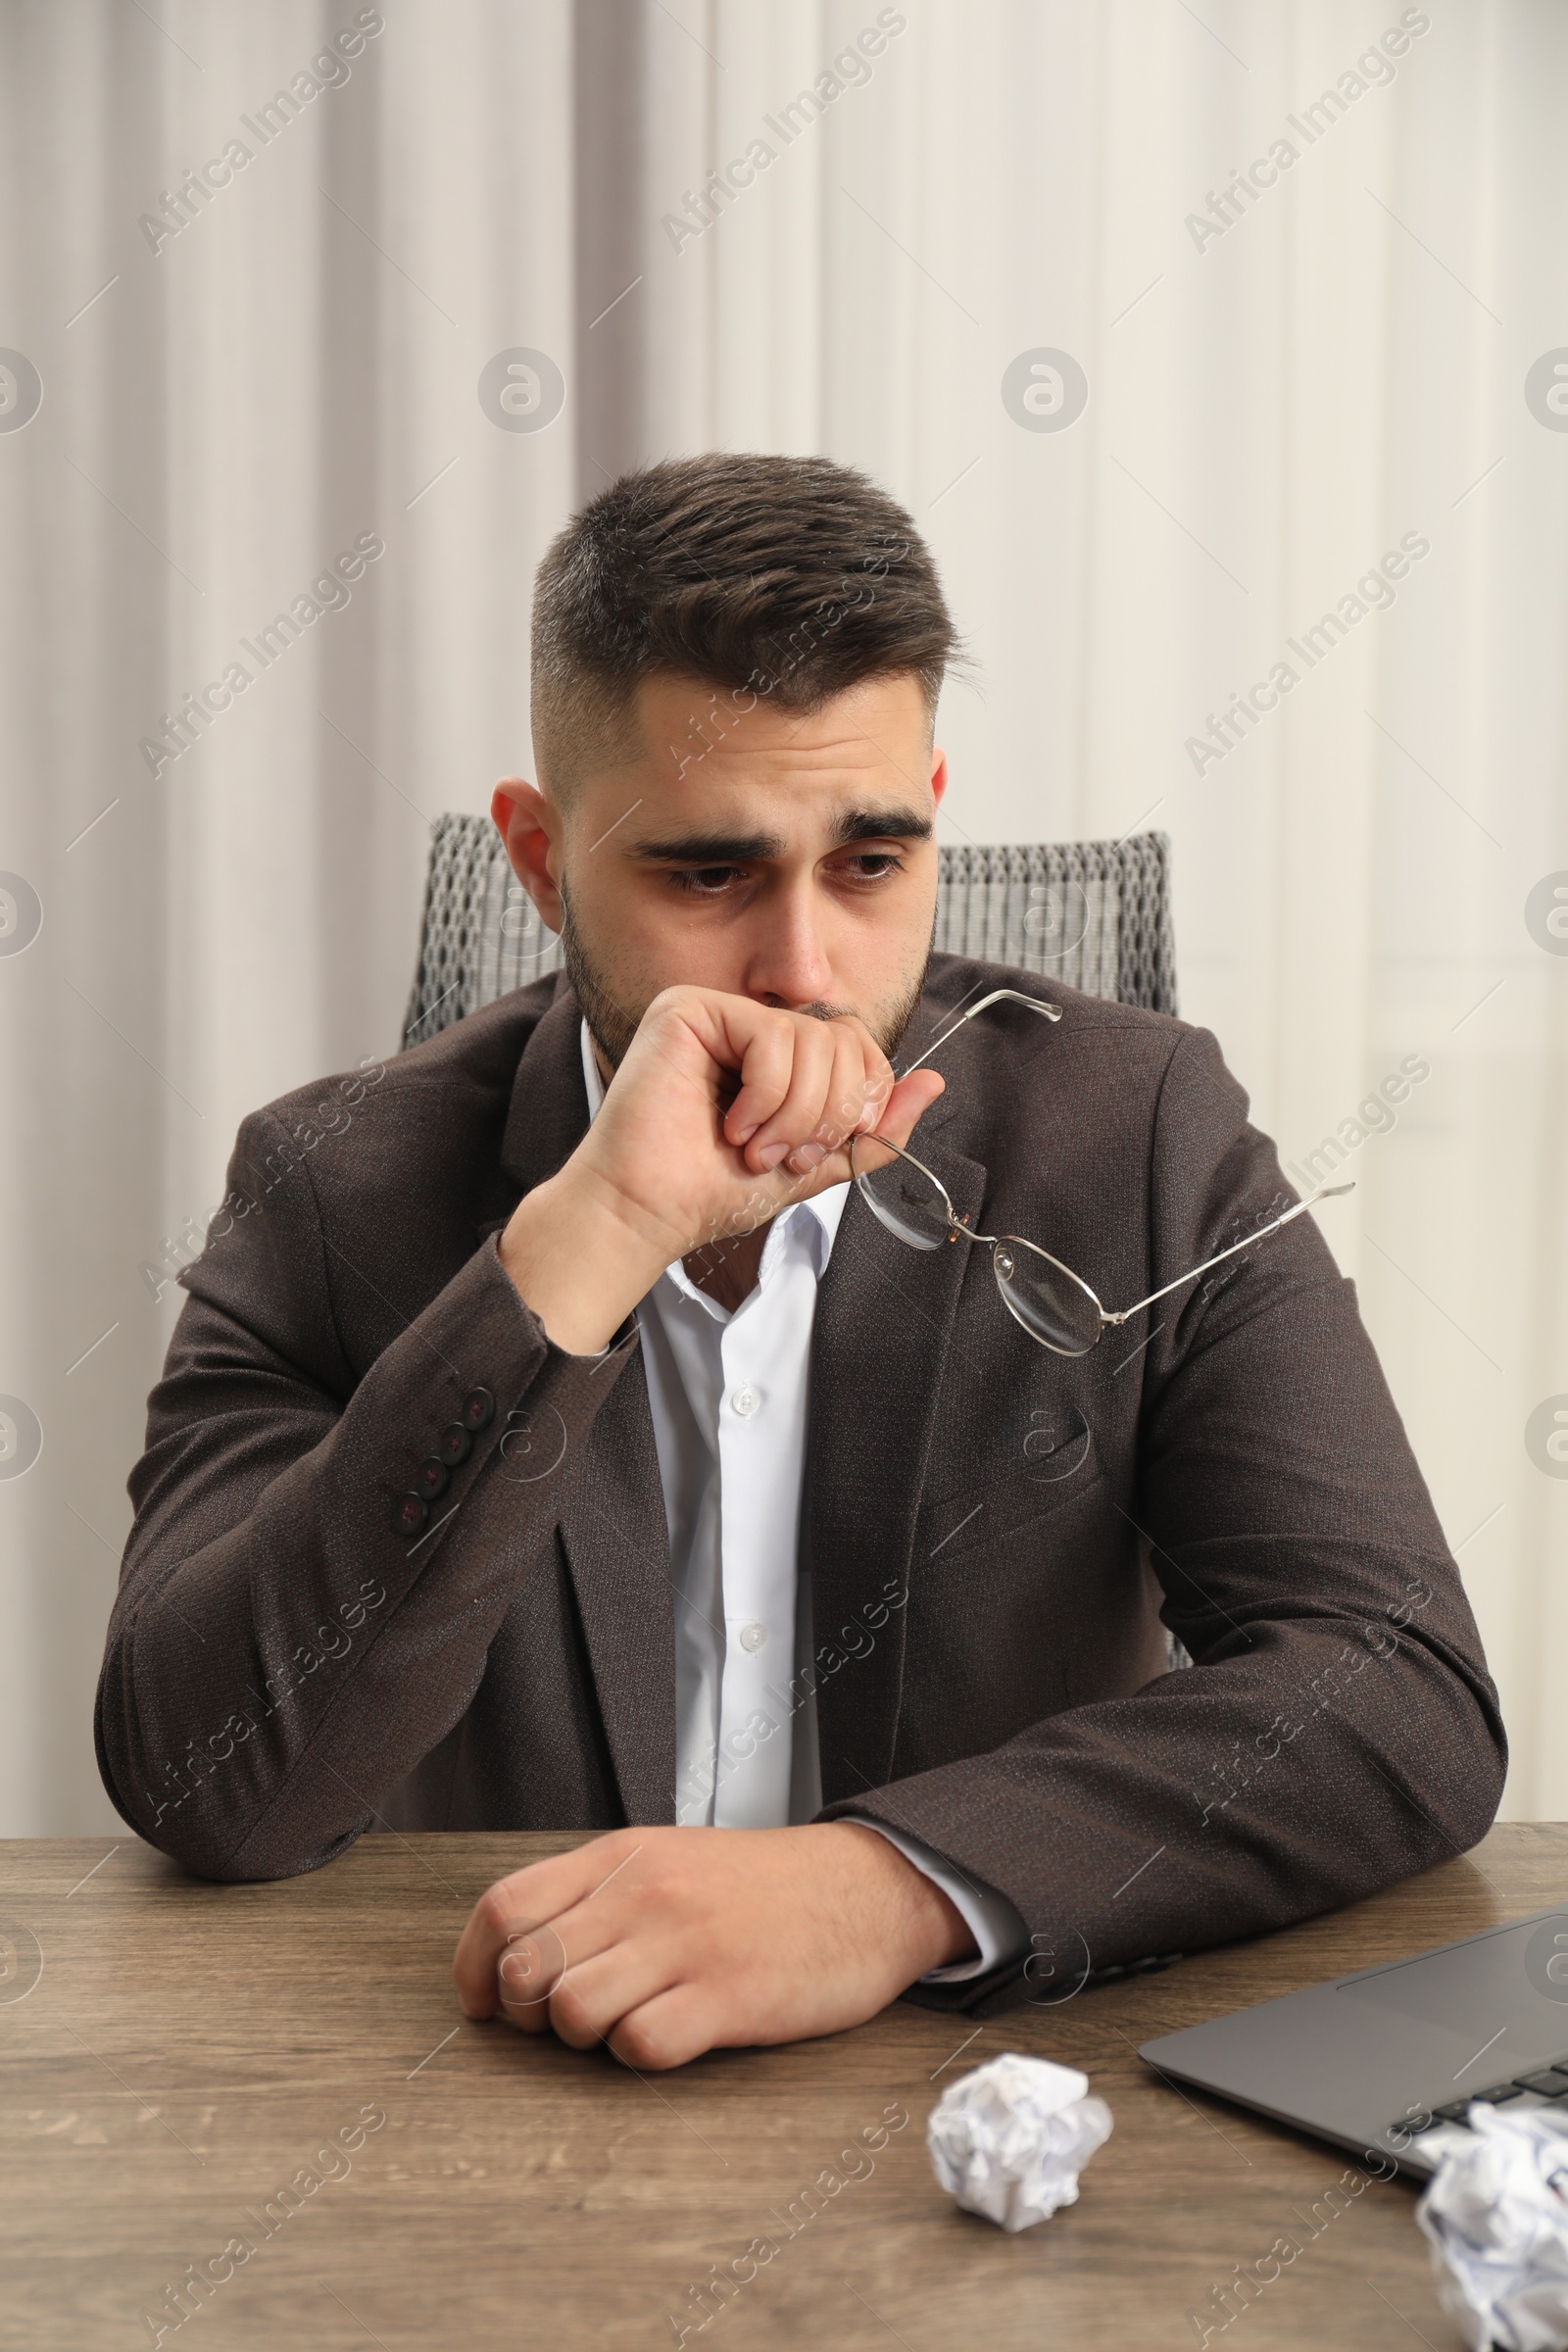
[590, 2001]
[510, 1909]
[857, 1065]
[800, 1114]
[517, 1906]
[806, 1084]
[878, 1083]
[908, 1103]
[893, 1110]
[528, 1971]
[838, 1080]
[912, 1097]
[767, 1066]
[670, 2029]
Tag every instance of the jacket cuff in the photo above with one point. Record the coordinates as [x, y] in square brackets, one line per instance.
[1000, 1934]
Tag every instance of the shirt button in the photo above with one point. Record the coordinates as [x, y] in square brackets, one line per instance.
[744, 1400]
[753, 1636]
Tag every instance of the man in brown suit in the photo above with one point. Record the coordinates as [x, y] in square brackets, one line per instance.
[561, 1439]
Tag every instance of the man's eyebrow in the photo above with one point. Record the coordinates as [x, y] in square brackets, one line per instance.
[753, 849]
[883, 824]
[708, 849]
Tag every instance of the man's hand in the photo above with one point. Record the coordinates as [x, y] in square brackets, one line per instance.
[722, 1113]
[666, 1943]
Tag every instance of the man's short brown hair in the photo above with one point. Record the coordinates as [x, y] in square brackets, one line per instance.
[793, 577]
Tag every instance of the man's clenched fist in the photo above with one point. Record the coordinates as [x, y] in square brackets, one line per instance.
[722, 1113]
[666, 1943]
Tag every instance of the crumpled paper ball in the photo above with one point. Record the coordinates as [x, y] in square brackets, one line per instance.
[1496, 2216]
[1009, 2140]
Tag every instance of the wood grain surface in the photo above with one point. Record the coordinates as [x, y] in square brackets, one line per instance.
[189, 2050]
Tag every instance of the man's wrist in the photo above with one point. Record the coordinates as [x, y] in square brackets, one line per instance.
[929, 1929]
[997, 1929]
[578, 1261]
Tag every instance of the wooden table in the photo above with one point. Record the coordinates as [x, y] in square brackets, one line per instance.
[189, 2050]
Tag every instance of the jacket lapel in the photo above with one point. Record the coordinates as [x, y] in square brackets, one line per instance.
[612, 1525]
[884, 1322]
[547, 1117]
[615, 1536]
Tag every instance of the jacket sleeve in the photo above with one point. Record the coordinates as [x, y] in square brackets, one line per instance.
[1338, 1729]
[281, 1652]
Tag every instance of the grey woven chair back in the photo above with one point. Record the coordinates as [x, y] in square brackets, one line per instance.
[1094, 915]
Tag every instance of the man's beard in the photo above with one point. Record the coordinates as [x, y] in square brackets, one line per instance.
[613, 1025]
[610, 1024]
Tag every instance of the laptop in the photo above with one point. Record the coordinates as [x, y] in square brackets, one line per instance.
[1385, 2061]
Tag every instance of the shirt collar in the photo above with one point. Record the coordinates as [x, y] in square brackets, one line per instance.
[825, 1208]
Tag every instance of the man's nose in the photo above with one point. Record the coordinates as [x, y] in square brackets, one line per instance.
[789, 963]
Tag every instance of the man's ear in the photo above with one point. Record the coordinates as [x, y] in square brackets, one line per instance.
[939, 773]
[530, 826]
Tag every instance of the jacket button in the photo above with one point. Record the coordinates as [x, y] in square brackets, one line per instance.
[411, 1515]
[455, 1444]
[431, 1478]
[478, 1409]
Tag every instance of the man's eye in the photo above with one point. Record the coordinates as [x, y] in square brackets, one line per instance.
[705, 881]
[873, 865]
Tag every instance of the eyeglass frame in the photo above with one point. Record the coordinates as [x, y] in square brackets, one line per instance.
[1109, 1318]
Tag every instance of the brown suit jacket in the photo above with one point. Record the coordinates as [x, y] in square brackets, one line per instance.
[995, 1531]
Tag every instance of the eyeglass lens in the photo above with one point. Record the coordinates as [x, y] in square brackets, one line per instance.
[1052, 1305]
[908, 1204]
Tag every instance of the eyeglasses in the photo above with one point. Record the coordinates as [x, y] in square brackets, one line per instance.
[1054, 1305]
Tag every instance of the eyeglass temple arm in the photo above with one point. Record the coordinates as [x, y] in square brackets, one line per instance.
[1325, 1192]
[1012, 996]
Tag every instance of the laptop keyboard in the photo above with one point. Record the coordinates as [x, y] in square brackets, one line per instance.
[1541, 2082]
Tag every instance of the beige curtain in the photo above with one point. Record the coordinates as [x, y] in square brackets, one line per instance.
[1177, 329]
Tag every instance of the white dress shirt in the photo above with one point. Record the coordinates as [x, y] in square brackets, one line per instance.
[728, 1396]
